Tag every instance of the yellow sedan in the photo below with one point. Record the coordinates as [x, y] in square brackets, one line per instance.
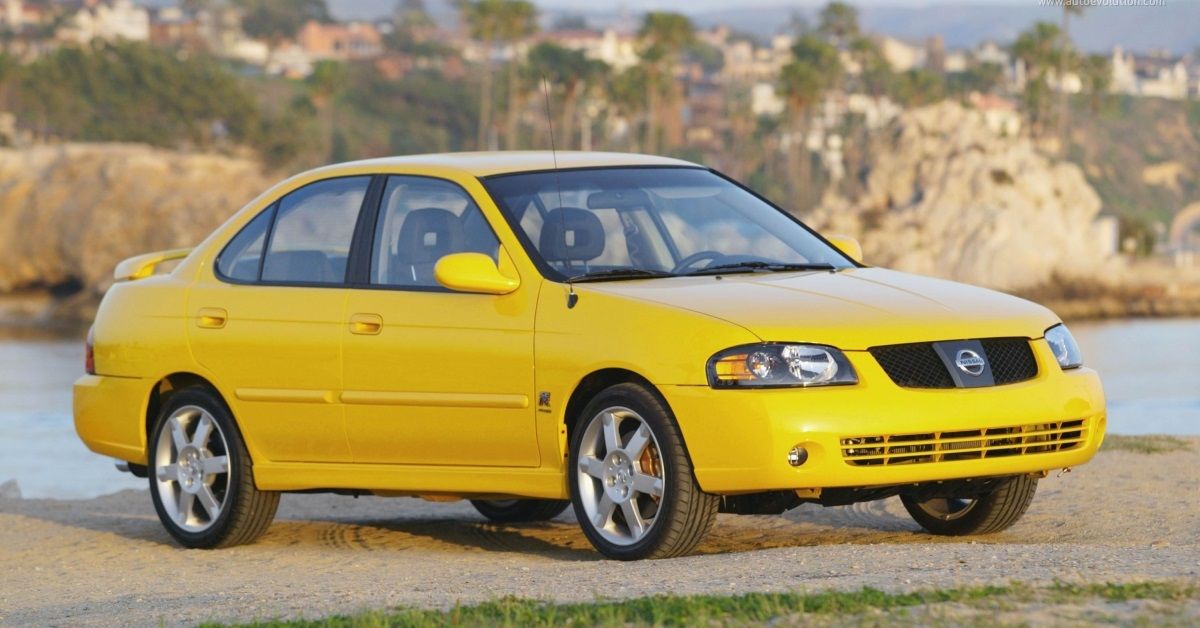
[641, 339]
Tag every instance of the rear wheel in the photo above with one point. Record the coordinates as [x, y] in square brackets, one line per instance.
[990, 512]
[632, 485]
[520, 510]
[201, 479]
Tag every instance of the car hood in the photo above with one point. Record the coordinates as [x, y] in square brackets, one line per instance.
[852, 309]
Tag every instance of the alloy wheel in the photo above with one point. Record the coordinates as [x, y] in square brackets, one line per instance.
[947, 508]
[620, 475]
[192, 468]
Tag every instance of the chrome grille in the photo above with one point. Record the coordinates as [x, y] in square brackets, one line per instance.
[976, 444]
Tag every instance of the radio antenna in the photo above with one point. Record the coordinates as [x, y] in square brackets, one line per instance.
[572, 298]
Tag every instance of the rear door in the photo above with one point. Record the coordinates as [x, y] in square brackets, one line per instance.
[270, 325]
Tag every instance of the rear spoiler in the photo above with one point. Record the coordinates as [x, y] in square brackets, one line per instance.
[143, 266]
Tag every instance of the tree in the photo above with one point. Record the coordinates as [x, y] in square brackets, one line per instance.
[875, 73]
[814, 68]
[1039, 48]
[838, 21]
[327, 80]
[490, 22]
[518, 20]
[1096, 72]
[662, 36]
[1068, 9]
[277, 20]
[482, 18]
[569, 73]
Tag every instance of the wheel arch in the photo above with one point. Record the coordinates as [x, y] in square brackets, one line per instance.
[169, 385]
[592, 384]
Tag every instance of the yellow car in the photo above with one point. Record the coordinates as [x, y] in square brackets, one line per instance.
[640, 338]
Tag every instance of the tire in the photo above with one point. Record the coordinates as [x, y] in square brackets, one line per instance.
[520, 510]
[198, 466]
[988, 513]
[647, 477]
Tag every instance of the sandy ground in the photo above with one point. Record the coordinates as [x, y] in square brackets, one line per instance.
[1125, 516]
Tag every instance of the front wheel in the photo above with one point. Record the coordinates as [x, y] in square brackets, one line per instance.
[991, 512]
[201, 479]
[632, 485]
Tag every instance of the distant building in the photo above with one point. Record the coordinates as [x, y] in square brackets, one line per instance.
[617, 50]
[340, 41]
[16, 15]
[107, 20]
[901, 56]
[173, 27]
[1157, 75]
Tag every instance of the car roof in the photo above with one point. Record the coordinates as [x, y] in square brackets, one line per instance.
[483, 164]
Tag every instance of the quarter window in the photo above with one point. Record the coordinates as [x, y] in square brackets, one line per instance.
[241, 258]
[310, 242]
[421, 221]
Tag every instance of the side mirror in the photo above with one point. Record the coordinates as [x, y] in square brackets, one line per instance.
[847, 245]
[473, 272]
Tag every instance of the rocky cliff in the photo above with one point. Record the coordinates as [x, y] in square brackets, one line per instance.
[69, 213]
[951, 193]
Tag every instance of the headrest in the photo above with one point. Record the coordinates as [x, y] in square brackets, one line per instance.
[299, 266]
[428, 235]
[570, 234]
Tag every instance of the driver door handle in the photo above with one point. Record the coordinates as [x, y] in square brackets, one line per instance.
[366, 324]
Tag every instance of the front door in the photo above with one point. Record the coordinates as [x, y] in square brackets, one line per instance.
[434, 377]
[270, 327]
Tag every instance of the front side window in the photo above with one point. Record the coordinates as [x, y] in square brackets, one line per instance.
[652, 221]
[310, 242]
[422, 220]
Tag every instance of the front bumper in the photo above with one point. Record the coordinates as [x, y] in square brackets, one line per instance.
[739, 440]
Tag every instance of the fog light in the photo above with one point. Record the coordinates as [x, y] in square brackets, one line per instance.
[797, 456]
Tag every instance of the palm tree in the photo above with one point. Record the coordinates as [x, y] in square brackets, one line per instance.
[1096, 72]
[327, 80]
[627, 97]
[838, 21]
[1040, 49]
[814, 69]
[517, 21]
[663, 36]
[1068, 9]
[569, 73]
[482, 18]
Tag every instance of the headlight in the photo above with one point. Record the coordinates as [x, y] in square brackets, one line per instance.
[1066, 350]
[776, 365]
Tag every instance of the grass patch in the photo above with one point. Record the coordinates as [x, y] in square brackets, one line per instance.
[1152, 444]
[752, 608]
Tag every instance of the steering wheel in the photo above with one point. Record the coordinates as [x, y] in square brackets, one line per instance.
[694, 259]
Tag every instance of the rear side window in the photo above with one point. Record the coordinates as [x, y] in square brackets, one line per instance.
[241, 258]
[310, 242]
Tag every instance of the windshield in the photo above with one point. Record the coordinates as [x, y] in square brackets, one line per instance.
[622, 223]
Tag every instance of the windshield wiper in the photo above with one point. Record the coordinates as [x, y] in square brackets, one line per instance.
[759, 265]
[618, 273]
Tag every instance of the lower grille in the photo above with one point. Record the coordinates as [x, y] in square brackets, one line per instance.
[978, 444]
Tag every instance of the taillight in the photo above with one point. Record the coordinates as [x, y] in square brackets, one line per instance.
[89, 354]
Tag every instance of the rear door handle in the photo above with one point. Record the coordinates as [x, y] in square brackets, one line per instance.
[211, 317]
[366, 324]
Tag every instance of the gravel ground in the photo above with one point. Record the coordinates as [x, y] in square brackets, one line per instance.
[1126, 516]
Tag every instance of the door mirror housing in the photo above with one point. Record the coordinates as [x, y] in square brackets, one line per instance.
[473, 272]
[847, 245]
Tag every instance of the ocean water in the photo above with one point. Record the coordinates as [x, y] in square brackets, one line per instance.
[1151, 372]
